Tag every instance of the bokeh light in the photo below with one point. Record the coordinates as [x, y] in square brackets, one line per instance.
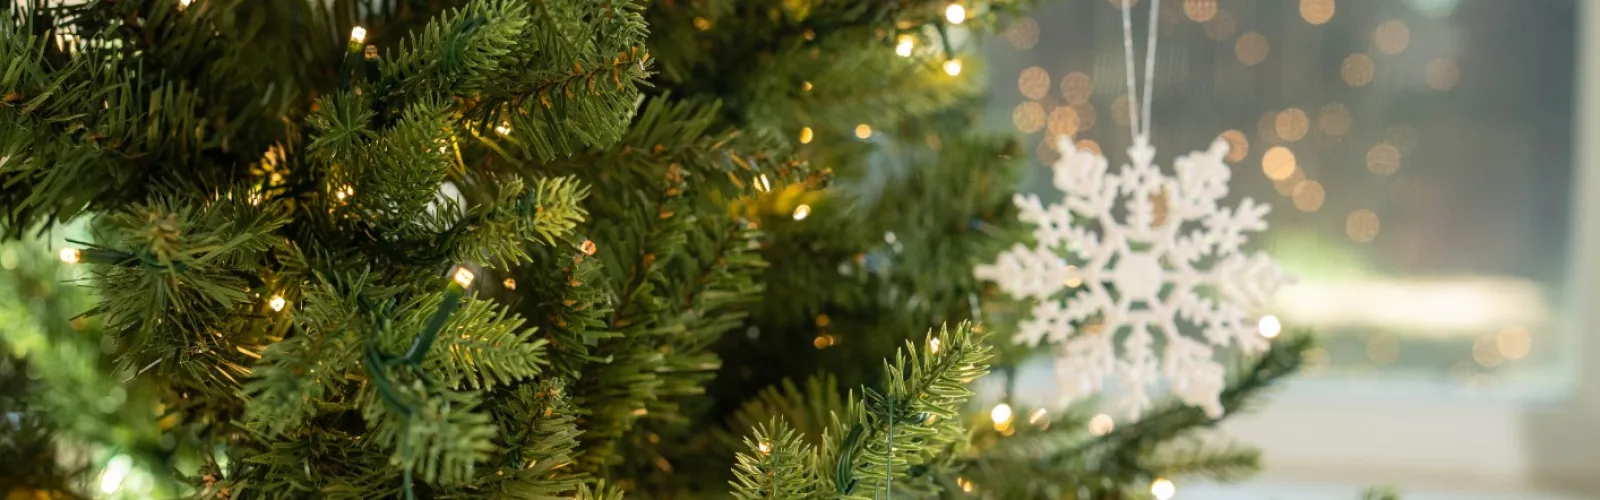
[1362, 226]
[1251, 48]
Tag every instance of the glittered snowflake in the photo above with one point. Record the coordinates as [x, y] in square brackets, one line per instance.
[1143, 261]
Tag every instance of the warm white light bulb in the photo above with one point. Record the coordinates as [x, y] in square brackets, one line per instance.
[184, 3]
[1101, 425]
[358, 34]
[1038, 415]
[502, 129]
[952, 67]
[1163, 489]
[1001, 413]
[904, 46]
[955, 13]
[277, 302]
[71, 255]
[464, 277]
[802, 211]
[933, 345]
[764, 447]
[1269, 326]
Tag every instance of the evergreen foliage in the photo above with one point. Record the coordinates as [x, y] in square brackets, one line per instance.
[513, 248]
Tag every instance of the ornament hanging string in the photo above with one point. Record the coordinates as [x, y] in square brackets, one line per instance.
[1137, 124]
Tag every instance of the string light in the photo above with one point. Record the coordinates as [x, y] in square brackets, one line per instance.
[955, 13]
[184, 3]
[863, 131]
[510, 284]
[966, 485]
[71, 255]
[116, 471]
[762, 184]
[588, 247]
[933, 345]
[764, 447]
[802, 211]
[952, 67]
[1001, 414]
[358, 34]
[1038, 415]
[277, 302]
[1269, 326]
[1101, 425]
[1163, 489]
[464, 277]
[904, 46]
[806, 135]
[502, 129]
[806, 86]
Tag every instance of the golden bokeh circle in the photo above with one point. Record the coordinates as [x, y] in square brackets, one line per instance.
[1334, 119]
[1238, 145]
[1514, 342]
[1442, 74]
[1356, 70]
[1292, 124]
[1308, 196]
[1046, 151]
[1221, 27]
[1362, 226]
[1089, 145]
[1267, 126]
[1251, 48]
[1200, 10]
[1086, 116]
[1023, 34]
[1278, 163]
[1316, 11]
[1392, 37]
[1077, 87]
[1286, 187]
[1383, 159]
[1028, 117]
[1034, 82]
[1063, 121]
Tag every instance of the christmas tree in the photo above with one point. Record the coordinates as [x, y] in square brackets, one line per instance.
[528, 249]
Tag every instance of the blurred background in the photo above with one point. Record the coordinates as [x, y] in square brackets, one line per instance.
[1431, 189]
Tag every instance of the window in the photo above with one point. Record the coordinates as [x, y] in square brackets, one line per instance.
[1429, 188]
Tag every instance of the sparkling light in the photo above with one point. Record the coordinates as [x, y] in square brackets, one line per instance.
[116, 471]
[952, 67]
[904, 45]
[863, 131]
[955, 13]
[71, 255]
[358, 34]
[184, 3]
[802, 211]
[1038, 415]
[806, 135]
[933, 345]
[502, 129]
[1101, 425]
[277, 302]
[1001, 414]
[464, 277]
[1163, 489]
[509, 283]
[1269, 326]
[764, 447]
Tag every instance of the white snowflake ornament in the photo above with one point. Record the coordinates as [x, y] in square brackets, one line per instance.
[1173, 259]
